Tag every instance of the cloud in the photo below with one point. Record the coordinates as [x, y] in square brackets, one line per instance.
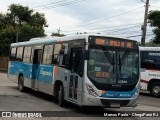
[89, 15]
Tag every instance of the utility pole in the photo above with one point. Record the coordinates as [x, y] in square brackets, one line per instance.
[16, 33]
[144, 26]
[58, 30]
[17, 23]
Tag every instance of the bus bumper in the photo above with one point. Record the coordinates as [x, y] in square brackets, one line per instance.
[89, 100]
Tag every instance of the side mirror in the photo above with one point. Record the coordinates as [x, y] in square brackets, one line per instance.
[86, 54]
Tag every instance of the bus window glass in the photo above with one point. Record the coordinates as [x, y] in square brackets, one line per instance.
[111, 66]
[101, 66]
[13, 54]
[150, 59]
[19, 53]
[63, 53]
[27, 54]
[47, 54]
[57, 49]
[127, 67]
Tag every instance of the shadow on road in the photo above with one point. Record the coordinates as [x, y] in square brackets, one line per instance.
[145, 94]
[74, 109]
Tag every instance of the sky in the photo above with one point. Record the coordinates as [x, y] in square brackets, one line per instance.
[119, 18]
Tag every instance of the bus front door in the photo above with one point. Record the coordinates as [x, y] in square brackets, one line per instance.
[75, 81]
[35, 69]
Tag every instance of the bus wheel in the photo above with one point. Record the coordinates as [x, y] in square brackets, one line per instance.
[61, 97]
[155, 89]
[21, 84]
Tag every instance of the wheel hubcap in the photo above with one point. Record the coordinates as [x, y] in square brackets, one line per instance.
[156, 90]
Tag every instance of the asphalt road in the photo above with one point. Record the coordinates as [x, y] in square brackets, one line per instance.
[11, 99]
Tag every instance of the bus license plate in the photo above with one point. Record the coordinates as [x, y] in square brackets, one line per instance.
[116, 105]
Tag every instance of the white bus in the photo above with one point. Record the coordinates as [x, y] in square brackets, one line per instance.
[150, 70]
[87, 70]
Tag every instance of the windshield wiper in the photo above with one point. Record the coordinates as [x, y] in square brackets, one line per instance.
[124, 57]
[109, 57]
[122, 61]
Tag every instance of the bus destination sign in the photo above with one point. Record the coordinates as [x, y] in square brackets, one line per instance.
[115, 43]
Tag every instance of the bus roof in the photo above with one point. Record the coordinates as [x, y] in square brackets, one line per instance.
[150, 48]
[52, 39]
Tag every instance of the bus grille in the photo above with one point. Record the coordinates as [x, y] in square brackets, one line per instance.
[109, 102]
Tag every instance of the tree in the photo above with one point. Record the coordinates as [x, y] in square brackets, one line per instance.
[151, 44]
[57, 34]
[154, 20]
[30, 24]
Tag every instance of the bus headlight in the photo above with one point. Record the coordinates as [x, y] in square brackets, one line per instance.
[136, 94]
[91, 90]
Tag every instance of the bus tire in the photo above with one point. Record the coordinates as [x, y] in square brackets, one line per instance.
[21, 84]
[155, 89]
[61, 96]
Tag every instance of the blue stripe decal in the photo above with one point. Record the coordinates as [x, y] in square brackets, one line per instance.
[46, 73]
[113, 94]
[43, 73]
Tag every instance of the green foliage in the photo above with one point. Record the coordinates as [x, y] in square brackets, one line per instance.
[154, 20]
[57, 34]
[30, 24]
[151, 44]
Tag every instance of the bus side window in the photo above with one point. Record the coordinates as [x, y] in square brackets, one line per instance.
[150, 59]
[59, 54]
[13, 54]
[19, 56]
[55, 58]
[47, 54]
[144, 59]
[63, 54]
[27, 54]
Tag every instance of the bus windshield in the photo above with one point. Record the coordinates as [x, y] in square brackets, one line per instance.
[111, 66]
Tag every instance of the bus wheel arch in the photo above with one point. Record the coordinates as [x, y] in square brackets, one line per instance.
[21, 82]
[59, 92]
[154, 87]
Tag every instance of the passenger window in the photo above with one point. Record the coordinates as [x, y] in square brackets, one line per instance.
[27, 54]
[60, 53]
[13, 54]
[19, 56]
[47, 54]
[63, 54]
[150, 59]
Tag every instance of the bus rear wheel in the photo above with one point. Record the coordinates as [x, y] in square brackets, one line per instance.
[155, 89]
[21, 84]
[61, 96]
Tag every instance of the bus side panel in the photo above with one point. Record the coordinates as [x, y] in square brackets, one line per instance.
[27, 74]
[11, 72]
[59, 74]
[14, 70]
[45, 79]
[24, 68]
[144, 79]
[64, 75]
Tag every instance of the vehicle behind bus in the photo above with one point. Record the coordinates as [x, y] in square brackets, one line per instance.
[86, 70]
[150, 70]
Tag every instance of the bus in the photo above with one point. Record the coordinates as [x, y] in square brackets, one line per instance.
[86, 70]
[150, 70]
